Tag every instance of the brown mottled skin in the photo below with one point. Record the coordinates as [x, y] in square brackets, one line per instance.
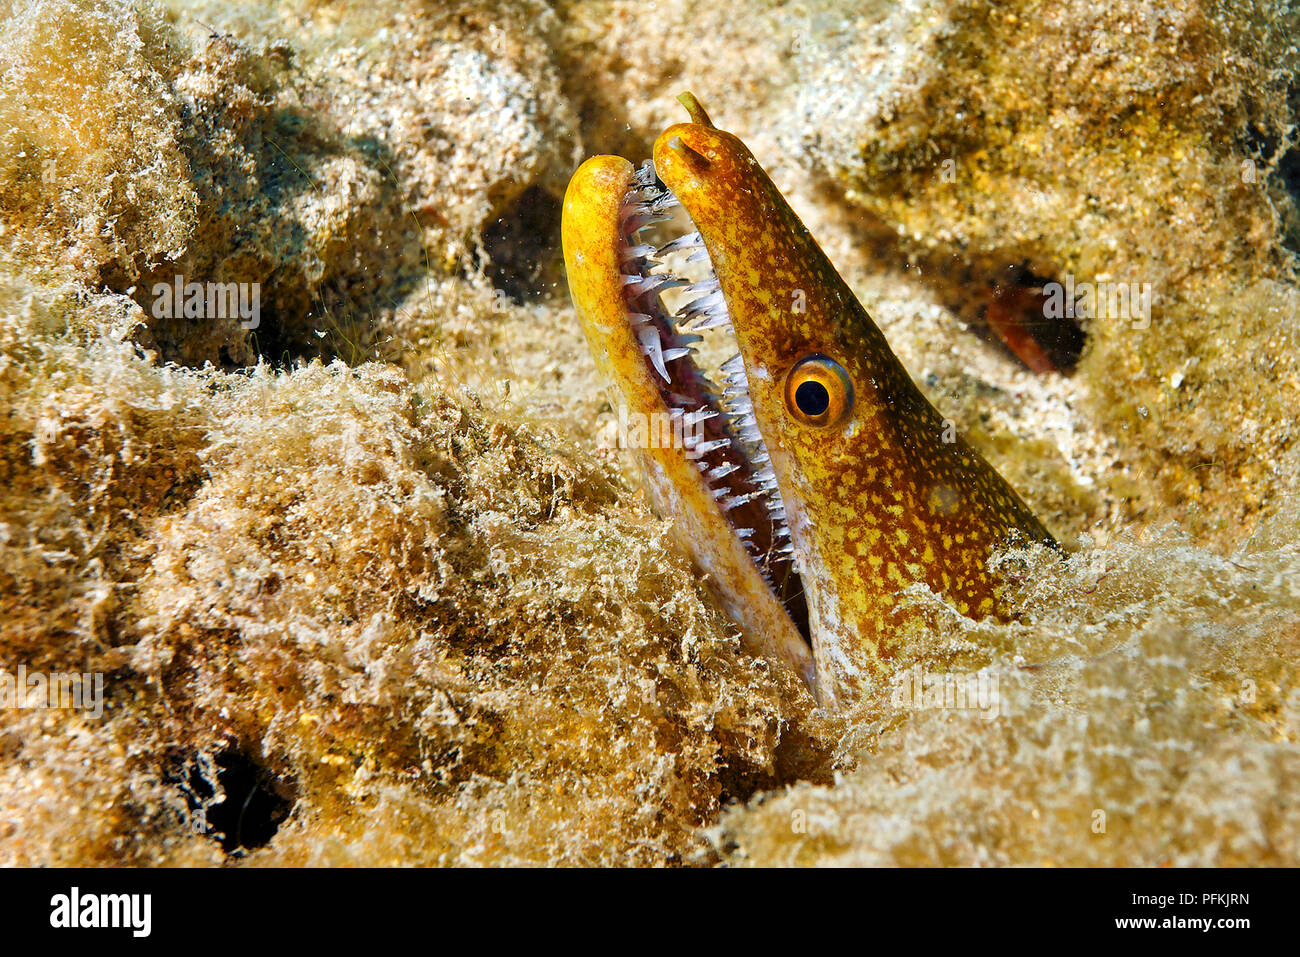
[889, 498]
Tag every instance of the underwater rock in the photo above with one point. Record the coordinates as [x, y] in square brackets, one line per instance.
[439, 638]
[1131, 150]
[330, 180]
[413, 611]
[1143, 713]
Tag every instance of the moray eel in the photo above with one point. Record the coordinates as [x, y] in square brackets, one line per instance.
[814, 483]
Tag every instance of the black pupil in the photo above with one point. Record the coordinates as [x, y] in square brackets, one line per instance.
[812, 398]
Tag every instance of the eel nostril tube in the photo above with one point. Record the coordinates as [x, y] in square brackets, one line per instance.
[696, 110]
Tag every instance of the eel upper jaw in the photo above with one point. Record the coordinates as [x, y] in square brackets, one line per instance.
[718, 486]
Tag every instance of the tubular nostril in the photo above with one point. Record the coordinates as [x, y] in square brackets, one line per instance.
[696, 109]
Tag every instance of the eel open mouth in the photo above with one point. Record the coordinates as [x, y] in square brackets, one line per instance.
[648, 326]
[720, 434]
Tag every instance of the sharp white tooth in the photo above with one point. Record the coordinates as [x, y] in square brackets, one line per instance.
[706, 285]
[704, 448]
[637, 318]
[645, 173]
[649, 337]
[744, 533]
[735, 501]
[638, 219]
[785, 550]
[778, 514]
[671, 354]
[719, 492]
[689, 241]
[705, 304]
[642, 285]
[642, 251]
[665, 202]
[695, 418]
[698, 256]
[735, 364]
[760, 458]
[750, 434]
[712, 322]
[726, 468]
[763, 475]
[687, 339]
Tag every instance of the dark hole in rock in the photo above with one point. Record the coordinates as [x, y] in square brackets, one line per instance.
[314, 331]
[280, 323]
[523, 246]
[1288, 171]
[252, 809]
[1016, 316]
[999, 293]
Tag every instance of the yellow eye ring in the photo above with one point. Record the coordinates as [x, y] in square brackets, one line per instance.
[818, 392]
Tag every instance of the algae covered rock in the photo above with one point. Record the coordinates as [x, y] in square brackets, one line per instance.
[363, 568]
[428, 636]
[1141, 150]
[1143, 713]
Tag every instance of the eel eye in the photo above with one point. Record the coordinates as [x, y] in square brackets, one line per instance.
[818, 392]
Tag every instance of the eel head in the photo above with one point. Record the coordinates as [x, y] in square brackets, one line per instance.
[813, 483]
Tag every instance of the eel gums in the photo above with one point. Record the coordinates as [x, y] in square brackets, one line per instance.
[813, 483]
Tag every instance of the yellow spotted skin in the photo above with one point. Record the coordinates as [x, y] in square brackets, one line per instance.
[891, 496]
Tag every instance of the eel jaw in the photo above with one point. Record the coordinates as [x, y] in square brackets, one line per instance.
[717, 484]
